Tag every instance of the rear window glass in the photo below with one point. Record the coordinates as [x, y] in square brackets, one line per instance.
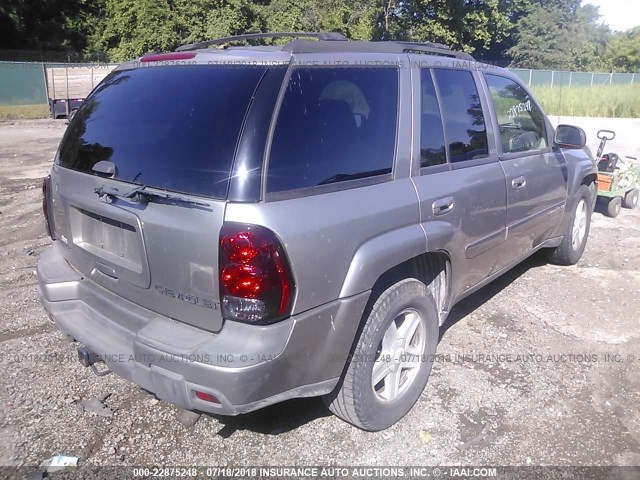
[464, 119]
[173, 127]
[335, 124]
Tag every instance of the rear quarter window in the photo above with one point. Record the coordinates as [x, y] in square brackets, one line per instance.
[334, 124]
[171, 127]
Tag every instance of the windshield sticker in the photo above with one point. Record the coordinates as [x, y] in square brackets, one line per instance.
[515, 111]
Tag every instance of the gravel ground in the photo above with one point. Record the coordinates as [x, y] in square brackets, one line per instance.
[565, 391]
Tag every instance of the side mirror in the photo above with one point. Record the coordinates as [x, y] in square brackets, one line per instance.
[568, 136]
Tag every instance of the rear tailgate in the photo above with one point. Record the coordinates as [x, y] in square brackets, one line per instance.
[174, 130]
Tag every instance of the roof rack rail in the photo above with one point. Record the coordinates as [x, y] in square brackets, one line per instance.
[304, 46]
[334, 36]
[435, 48]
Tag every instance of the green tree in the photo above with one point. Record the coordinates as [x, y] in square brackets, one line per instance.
[623, 52]
[560, 35]
[552, 34]
[199, 20]
[366, 20]
[129, 28]
[45, 25]
[472, 25]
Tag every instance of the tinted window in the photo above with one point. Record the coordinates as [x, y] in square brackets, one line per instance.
[432, 149]
[463, 117]
[334, 125]
[173, 127]
[521, 121]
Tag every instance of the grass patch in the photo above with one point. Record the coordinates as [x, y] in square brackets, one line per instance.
[612, 101]
[12, 112]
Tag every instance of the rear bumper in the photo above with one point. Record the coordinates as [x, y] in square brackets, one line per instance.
[246, 367]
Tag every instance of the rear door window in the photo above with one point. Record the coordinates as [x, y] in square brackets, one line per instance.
[432, 145]
[463, 116]
[521, 121]
[171, 127]
[334, 124]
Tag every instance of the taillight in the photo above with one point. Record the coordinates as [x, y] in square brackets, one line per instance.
[46, 184]
[256, 284]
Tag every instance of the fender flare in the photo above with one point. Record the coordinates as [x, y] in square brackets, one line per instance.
[380, 254]
[579, 166]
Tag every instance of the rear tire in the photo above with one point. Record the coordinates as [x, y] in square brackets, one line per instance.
[397, 344]
[574, 241]
[614, 206]
[631, 198]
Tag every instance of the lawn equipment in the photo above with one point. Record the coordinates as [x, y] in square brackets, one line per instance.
[618, 179]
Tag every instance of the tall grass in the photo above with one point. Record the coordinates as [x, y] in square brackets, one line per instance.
[612, 101]
[12, 112]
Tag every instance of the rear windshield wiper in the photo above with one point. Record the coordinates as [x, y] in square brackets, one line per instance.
[140, 193]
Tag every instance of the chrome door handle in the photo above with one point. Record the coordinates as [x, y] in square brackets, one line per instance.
[519, 183]
[443, 205]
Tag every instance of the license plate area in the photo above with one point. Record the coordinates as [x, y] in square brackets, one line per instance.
[104, 244]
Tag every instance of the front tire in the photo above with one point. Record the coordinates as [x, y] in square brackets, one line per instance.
[392, 360]
[574, 241]
[631, 199]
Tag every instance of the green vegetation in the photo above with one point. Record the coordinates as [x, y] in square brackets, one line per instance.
[623, 52]
[615, 101]
[549, 34]
[13, 112]
[560, 35]
[538, 34]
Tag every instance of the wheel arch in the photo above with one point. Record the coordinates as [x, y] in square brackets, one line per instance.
[591, 181]
[581, 170]
[431, 268]
[396, 255]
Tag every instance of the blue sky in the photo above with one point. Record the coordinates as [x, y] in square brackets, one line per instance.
[618, 14]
